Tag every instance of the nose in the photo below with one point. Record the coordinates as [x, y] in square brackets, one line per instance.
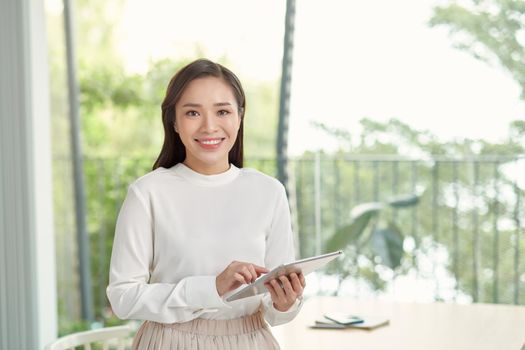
[209, 124]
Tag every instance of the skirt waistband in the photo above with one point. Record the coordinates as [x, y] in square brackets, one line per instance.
[242, 325]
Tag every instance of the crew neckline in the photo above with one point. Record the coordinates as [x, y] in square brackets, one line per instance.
[206, 180]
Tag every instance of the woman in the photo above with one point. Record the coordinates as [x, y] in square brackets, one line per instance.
[200, 225]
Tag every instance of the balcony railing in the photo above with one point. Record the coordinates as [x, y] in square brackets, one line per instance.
[469, 208]
[467, 225]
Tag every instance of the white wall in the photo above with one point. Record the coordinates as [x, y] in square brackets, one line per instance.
[28, 312]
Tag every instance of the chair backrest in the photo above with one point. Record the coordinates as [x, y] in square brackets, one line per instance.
[85, 339]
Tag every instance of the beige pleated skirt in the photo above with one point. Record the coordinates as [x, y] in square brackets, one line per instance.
[249, 332]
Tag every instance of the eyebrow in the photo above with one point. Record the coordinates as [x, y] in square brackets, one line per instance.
[189, 104]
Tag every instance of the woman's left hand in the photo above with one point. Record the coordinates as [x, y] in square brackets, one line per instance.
[285, 293]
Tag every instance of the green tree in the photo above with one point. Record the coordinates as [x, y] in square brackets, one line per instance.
[490, 30]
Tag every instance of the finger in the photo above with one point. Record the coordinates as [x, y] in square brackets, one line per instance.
[260, 269]
[245, 271]
[296, 284]
[303, 280]
[276, 299]
[278, 289]
[251, 268]
[239, 277]
[288, 290]
[271, 290]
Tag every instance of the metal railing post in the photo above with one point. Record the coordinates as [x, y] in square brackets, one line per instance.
[318, 213]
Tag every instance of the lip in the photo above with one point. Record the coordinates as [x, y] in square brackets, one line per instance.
[210, 147]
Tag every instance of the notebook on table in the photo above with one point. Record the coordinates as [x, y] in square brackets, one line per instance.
[337, 320]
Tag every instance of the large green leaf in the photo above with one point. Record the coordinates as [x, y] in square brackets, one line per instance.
[365, 208]
[403, 201]
[349, 234]
[388, 244]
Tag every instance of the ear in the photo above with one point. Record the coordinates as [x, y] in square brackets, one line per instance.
[175, 127]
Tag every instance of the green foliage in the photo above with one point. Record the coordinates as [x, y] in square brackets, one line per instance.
[352, 233]
[396, 137]
[468, 185]
[385, 242]
[260, 126]
[68, 327]
[490, 30]
[121, 112]
[404, 201]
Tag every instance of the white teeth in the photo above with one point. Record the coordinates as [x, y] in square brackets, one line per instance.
[212, 142]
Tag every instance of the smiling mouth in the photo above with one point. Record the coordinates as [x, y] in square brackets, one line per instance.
[210, 144]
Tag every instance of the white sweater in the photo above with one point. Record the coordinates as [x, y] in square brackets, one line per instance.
[178, 229]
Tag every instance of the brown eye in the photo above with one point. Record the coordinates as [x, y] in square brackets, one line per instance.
[192, 113]
[223, 112]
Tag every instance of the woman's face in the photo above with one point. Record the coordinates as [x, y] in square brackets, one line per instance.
[207, 121]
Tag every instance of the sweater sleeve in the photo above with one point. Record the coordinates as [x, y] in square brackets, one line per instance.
[279, 249]
[130, 294]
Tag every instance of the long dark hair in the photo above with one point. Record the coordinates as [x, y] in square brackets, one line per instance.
[173, 150]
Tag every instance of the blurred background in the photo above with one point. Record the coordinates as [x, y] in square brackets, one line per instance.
[398, 129]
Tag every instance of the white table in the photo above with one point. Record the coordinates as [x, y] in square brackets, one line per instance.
[443, 326]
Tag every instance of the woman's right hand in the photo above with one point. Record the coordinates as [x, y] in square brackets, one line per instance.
[237, 274]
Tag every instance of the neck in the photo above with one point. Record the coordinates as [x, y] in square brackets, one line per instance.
[207, 169]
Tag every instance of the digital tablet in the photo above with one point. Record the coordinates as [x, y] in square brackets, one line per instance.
[304, 265]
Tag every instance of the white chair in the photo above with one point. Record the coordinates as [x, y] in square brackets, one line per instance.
[106, 336]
